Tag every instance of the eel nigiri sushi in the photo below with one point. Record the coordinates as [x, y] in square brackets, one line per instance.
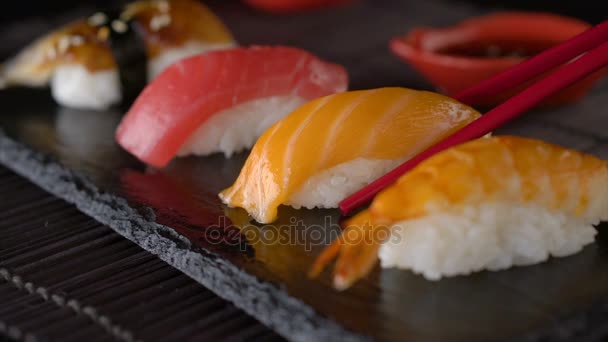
[333, 146]
[222, 101]
[175, 29]
[78, 62]
[491, 203]
[82, 60]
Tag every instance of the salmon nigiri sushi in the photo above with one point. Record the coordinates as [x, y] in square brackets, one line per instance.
[222, 101]
[331, 147]
[491, 203]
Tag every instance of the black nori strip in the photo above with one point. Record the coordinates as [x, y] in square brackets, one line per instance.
[129, 52]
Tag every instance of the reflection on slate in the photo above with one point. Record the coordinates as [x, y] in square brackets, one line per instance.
[259, 272]
[192, 212]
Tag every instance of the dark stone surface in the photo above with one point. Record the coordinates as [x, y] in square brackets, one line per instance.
[588, 118]
[175, 213]
[600, 150]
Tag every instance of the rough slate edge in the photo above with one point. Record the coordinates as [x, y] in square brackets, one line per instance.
[288, 316]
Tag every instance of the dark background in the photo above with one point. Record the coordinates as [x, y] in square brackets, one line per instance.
[23, 21]
[590, 10]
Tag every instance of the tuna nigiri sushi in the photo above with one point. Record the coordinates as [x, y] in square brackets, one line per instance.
[82, 60]
[491, 203]
[222, 101]
[331, 147]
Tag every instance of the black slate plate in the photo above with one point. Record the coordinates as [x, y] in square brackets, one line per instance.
[175, 213]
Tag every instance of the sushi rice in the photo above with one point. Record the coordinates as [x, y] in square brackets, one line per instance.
[327, 188]
[237, 128]
[493, 236]
[73, 85]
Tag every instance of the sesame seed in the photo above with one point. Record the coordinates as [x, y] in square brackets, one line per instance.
[119, 26]
[160, 21]
[76, 40]
[97, 19]
[63, 45]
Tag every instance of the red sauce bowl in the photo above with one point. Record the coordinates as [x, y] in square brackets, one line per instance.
[457, 57]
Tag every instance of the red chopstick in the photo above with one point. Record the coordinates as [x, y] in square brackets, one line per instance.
[515, 106]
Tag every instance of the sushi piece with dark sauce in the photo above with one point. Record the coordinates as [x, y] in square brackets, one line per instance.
[85, 61]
